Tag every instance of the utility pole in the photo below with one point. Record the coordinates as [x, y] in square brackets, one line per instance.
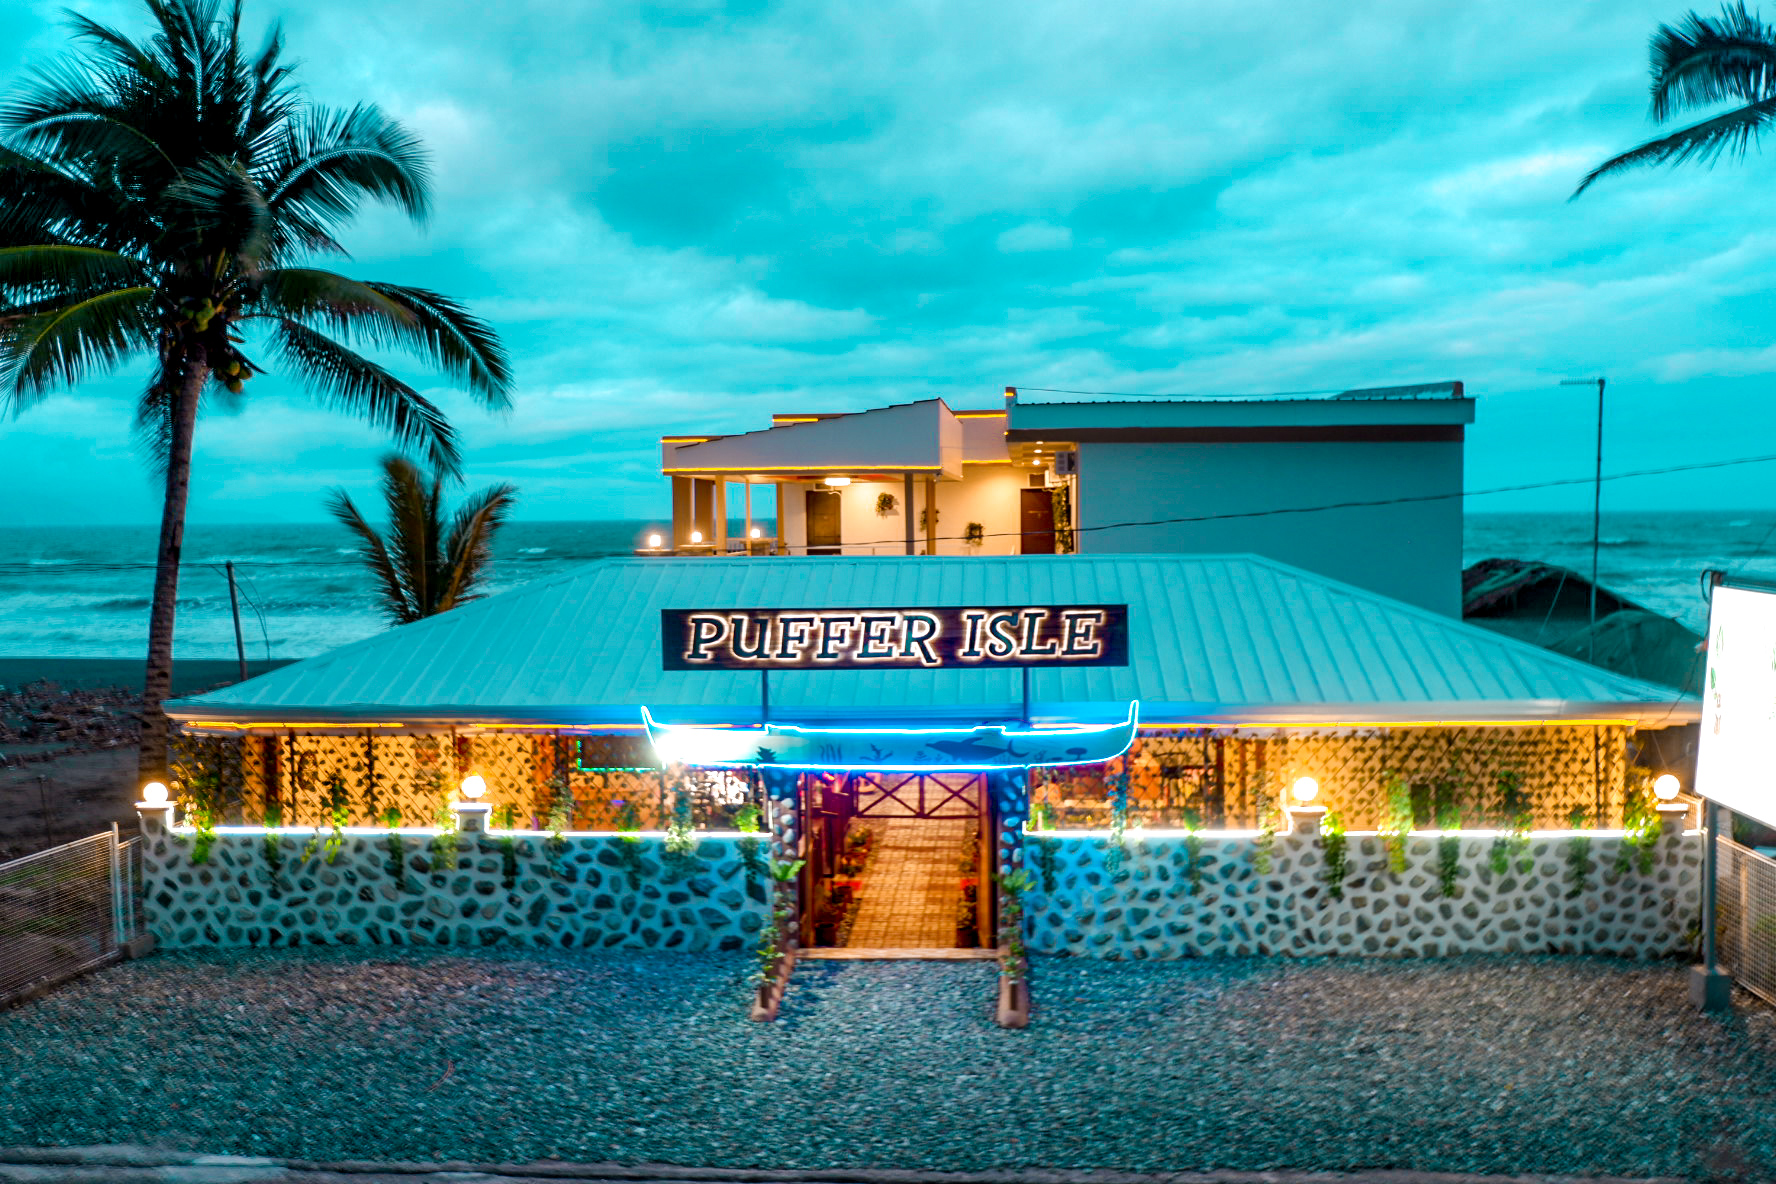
[240, 647]
[1596, 511]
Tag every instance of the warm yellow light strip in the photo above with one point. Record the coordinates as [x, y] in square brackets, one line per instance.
[270, 724]
[685, 439]
[777, 419]
[978, 414]
[1006, 461]
[1414, 723]
[872, 467]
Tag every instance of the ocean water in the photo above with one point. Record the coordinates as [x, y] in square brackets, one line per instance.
[85, 593]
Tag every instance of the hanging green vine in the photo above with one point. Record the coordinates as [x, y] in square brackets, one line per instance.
[338, 814]
[508, 845]
[1193, 850]
[749, 821]
[1449, 849]
[397, 853]
[1115, 852]
[1579, 863]
[446, 844]
[1332, 839]
[1048, 848]
[1515, 815]
[203, 832]
[1397, 821]
[561, 817]
[629, 842]
[681, 840]
[273, 843]
[771, 937]
[1641, 826]
[1264, 846]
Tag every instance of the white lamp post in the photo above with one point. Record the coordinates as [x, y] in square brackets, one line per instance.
[1305, 815]
[155, 809]
[471, 812]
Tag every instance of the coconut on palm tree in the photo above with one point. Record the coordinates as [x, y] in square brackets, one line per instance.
[165, 198]
[424, 566]
[1704, 62]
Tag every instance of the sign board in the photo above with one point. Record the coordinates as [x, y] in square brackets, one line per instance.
[1736, 756]
[894, 638]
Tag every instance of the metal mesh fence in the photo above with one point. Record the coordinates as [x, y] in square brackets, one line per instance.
[1745, 916]
[65, 910]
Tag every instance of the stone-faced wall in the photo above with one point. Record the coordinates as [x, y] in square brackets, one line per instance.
[585, 890]
[1148, 907]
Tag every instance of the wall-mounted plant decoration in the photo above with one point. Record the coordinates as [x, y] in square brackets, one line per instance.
[680, 841]
[928, 519]
[885, 504]
[203, 825]
[1337, 849]
[974, 534]
[445, 844]
[397, 853]
[1013, 961]
[1048, 848]
[749, 821]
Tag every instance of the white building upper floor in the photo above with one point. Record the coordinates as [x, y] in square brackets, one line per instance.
[1364, 487]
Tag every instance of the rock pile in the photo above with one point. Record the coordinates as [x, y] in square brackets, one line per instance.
[40, 721]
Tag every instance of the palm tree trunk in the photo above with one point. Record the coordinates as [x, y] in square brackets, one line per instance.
[151, 763]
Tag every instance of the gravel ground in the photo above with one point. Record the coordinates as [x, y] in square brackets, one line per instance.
[1554, 1065]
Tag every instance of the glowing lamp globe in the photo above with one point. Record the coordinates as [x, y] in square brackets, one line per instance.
[838, 482]
[757, 533]
[154, 794]
[1306, 789]
[654, 540]
[696, 536]
[473, 786]
[1666, 787]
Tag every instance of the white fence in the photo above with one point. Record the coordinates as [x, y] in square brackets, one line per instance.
[1745, 917]
[65, 911]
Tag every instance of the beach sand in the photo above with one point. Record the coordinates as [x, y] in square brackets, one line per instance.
[57, 789]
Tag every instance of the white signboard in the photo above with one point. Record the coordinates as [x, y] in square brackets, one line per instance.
[1736, 759]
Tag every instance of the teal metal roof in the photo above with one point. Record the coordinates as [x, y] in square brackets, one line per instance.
[1212, 639]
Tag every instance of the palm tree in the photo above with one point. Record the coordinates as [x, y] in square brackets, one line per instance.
[1701, 63]
[161, 197]
[420, 569]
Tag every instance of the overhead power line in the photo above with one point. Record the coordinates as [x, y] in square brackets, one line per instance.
[1184, 519]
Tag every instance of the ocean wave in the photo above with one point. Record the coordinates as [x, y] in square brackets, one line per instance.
[532, 550]
[130, 603]
[1740, 522]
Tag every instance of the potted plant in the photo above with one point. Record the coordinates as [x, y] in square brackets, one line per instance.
[967, 931]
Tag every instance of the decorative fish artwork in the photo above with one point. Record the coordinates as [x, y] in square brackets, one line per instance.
[889, 749]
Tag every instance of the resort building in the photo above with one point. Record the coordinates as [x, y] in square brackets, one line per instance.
[1363, 487]
[1090, 718]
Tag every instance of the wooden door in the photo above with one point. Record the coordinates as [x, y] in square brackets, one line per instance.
[1036, 522]
[823, 522]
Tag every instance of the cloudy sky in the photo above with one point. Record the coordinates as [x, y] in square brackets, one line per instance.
[685, 216]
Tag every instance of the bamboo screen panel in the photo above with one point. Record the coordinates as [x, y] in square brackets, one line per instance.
[1220, 780]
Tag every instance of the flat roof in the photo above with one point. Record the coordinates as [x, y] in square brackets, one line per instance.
[1213, 639]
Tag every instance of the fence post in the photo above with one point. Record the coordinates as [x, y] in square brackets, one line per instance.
[117, 889]
[1710, 989]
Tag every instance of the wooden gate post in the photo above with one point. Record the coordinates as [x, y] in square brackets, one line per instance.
[1011, 798]
[783, 800]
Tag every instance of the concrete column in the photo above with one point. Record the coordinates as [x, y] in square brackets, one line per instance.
[747, 486]
[718, 503]
[1305, 820]
[684, 512]
[471, 817]
[781, 540]
[931, 517]
[156, 818]
[906, 510]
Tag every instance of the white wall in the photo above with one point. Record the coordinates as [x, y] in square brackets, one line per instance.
[1409, 551]
[987, 494]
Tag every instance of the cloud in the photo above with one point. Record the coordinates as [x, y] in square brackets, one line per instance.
[684, 217]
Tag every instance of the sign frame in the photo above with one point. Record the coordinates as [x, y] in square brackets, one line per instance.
[872, 637]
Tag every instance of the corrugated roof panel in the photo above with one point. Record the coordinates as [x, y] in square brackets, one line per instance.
[1213, 639]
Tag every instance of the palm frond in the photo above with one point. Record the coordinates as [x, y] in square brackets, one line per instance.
[38, 271]
[470, 546]
[396, 604]
[1704, 142]
[218, 203]
[412, 515]
[443, 332]
[353, 383]
[60, 346]
[328, 162]
[1701, 61]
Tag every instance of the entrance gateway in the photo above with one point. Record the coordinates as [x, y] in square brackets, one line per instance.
[901, 834]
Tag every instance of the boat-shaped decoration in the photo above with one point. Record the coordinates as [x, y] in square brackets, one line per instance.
[890, 749]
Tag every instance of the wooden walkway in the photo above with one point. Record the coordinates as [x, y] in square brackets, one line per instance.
[911, 889]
